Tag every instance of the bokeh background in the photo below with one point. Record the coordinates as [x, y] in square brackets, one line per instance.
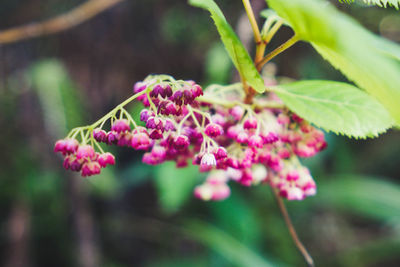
[137, 215]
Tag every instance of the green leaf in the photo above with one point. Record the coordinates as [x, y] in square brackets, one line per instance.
[229, 247]
[337, 107]
[381, 3]
[174, 185]
[372, 197]
[238, 53]
[362, 57]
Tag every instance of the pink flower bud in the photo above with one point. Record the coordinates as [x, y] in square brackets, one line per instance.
[208, 159]
[145, 114]
[90, 168]
[233, 131]
[171, 109]
[140, 141]
[256, 141]
[304, 151]
[297, 118]
[155, 123]
[270, 138]
[292, 176]
[59, 146]
[220, 153]
[295, 193]
[284, 153]
[213, 130]
[159, 152]
[177, 98]
[237, 112]
[181, 142]
[196, 90]
[100, 135]
[250, 123]
[124, 139]
[156, 134]
[169, 126]
[112, 138]
[66, 146]
[120, 126]
[106, 159]
[242, 137]
[85, 152]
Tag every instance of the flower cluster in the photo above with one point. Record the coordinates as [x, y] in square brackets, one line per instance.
[248, 144]
[82, 158]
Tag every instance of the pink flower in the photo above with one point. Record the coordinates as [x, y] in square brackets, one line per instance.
[181, 142]
[140, 141]
[250, 123]
[66, 146]
[208, 159]
[106, 159]
[256, 141]
[213, 130]
[90, 168]
[120, 126]
[85, 152]
[237, 112]
[100, 135]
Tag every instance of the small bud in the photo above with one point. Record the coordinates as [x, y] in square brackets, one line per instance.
[90, 168]
[213, 130]
[100, 135]
[237, 112]
[208, 159]
[181, 142]
[85, 152]
[106, 159]
[250, 123]
[220, 153]
[140, 141]
[242, 137]
[256, 141]
[120, 126]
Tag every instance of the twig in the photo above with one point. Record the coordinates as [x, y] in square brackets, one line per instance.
[252, 19]
[292, 230]
[60, 23]
[294, 39]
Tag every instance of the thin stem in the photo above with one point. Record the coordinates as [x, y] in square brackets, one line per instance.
[63, 22]
[260, 51]
[292, 230]
[273, 30]
[266, 36]
[253, 22]
[109, 114]
[278, 50]
[123, 104]
[129, 117]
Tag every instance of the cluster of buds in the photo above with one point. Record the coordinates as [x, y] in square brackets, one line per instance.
[248, 144]
[82, 158]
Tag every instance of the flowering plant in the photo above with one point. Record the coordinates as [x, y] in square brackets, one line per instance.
[255, 131]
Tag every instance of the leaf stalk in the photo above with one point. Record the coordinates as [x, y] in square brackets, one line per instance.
[292, 230]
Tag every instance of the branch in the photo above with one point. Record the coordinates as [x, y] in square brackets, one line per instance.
[294, 39]
[60, 23]
[292, 230]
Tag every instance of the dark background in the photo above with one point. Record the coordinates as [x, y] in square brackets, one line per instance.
[137, 215]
